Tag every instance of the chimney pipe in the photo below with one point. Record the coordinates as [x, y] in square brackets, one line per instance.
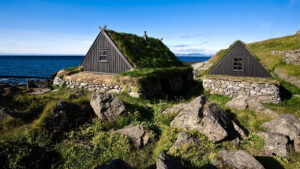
[145, 35]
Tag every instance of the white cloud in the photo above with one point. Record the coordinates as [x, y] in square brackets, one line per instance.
[186, 49]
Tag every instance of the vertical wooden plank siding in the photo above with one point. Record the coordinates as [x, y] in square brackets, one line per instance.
[115, 63]
[250, 66]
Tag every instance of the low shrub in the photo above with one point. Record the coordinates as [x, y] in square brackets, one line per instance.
[252, 143]
[196, 156]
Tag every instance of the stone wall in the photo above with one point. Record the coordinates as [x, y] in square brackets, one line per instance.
[264, 92]
[90, 86]
[157, 84]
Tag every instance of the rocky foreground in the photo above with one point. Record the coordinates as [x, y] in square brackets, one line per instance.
[198, 130]
[211, 120]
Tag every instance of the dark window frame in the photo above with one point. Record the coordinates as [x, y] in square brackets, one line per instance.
[237, 64]
[103, 57]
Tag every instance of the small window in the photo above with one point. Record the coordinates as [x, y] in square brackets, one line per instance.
[103, 56]
[237, 64]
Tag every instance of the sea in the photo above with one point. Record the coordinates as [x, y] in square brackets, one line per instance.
[45, 66]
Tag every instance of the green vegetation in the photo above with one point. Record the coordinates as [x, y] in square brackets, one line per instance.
[70, 71]
[199, 155]
[252, 143]
[262, 50]
[150, 71]
[150, 53]
[27, 145]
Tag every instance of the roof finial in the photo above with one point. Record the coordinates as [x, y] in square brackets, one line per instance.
[102, 29]
[145, 35]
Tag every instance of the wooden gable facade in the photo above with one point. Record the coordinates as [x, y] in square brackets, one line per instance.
[105, 57]
[238, 61]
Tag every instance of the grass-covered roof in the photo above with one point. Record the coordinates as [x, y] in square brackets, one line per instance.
[150, 53]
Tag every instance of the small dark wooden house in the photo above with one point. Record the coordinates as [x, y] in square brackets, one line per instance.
[113, 52]
[238, 61]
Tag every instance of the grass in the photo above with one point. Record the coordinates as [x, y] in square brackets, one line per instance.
[151, 53]
[199, 155]
[147, 71]
[250, 120]
[292, 70]
[99, 145]
[262, 49]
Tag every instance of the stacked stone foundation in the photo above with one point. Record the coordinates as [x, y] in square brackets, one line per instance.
[103, 88]
[263, 91]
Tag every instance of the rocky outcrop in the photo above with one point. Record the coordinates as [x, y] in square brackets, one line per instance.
[115, 164]
[242, 102]
[136, 134]
[64, 115]
[183, 139]
[291, 57]
[239, 103]
[236, 159]
[274, 143]
[286, 124]
[107, 106]
[291, 79]
[262, 91]
[207, 118]
[165, 161]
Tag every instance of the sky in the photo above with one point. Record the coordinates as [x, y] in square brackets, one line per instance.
[69, 27]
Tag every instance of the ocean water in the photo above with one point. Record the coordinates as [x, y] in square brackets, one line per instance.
[46, 65]
[34, 66]
[192, 58]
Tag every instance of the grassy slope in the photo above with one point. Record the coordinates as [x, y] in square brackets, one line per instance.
[262, 51]
[151, 53]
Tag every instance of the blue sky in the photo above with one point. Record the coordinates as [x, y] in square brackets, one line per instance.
[187, 26]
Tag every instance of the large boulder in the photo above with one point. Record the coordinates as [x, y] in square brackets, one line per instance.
[286, 124]
[165, 161]
[107, 106]
[274, 143]
[194, 105]
[236, 159]
[136, 134]
[64, 115]
[207, 118]
[115, 164]
[183, 138]
[242, 102]
[239, 103]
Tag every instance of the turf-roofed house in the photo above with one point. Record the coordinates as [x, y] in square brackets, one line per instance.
[238, 72]
[118, 61]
